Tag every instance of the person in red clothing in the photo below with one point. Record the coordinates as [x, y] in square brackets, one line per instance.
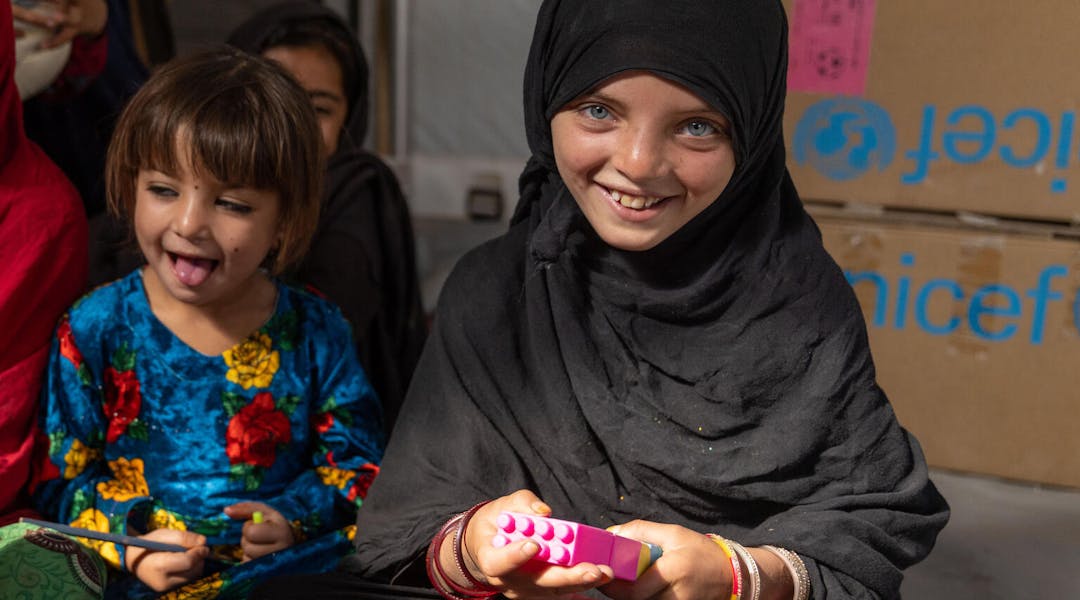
[43, 240]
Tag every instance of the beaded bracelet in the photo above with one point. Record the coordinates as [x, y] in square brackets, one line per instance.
[751, 567]
[795, 565]
[736, 569]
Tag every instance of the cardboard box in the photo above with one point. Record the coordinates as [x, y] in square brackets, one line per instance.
[957, 105]
[975, 337]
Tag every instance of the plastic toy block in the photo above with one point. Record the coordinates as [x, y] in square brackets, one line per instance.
[567, 543]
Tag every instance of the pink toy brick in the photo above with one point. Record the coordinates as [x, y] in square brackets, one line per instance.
[566, 543]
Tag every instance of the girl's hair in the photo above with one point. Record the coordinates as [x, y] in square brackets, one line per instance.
[244, 121]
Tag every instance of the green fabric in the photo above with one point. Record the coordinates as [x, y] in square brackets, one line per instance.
[42, 563]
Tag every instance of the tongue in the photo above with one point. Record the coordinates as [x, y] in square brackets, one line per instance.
[193, 271]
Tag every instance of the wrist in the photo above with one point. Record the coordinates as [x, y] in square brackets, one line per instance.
[466, 564]
[130, 561]
[450, 567]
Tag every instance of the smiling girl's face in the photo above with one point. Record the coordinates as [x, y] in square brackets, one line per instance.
[319, 73]
[204, 240]
[642, 156]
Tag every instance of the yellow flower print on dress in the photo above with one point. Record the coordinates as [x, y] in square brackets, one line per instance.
[95, 520]
[203, 589]
[129, 483]
[163, 519]
[350, 532]
[253, 362]
[334, 476]
[77, 457]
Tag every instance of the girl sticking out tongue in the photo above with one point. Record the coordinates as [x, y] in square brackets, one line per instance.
[200, 391]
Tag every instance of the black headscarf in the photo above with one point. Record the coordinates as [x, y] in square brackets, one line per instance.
[721, 381]
[276, 25]
[363, 255]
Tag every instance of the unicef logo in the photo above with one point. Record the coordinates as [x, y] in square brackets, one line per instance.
[844, 137]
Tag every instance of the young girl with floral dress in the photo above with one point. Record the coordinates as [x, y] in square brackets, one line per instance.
[198, 401]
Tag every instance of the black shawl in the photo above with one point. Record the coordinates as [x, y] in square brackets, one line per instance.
[721, 381]
[363, 254]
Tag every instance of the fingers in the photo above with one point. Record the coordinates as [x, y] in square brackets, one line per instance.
[267, 532]
[499, 562]
[85, 17]
[43, 18]
[243, 511]
[262, 539]
[654, 582]
[578, 578]
[270, 534]
[176, 568]
[511, 568]
[651, 584]
[524, 501]
[481, 530]
[165, 570]
[661, 534]
[542, 580]
[187, 539]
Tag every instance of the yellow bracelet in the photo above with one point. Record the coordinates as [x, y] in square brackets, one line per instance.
[736, 568]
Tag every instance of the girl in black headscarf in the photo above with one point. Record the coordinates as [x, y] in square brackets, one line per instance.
[362, 256]
[659, 342]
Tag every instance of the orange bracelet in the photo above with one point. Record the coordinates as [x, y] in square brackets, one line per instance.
[736, 568]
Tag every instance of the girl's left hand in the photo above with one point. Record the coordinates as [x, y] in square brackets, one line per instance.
[260, 539]
[692, 566]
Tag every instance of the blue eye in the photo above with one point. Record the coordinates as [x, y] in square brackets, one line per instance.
[597, 112]
[700, 128]
[235, 207]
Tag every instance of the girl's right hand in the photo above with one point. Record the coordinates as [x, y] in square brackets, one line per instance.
[165, 570]
[508, 568]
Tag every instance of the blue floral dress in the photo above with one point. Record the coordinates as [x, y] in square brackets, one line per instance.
[144, 431]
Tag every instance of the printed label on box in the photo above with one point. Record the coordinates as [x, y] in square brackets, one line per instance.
[830, 46]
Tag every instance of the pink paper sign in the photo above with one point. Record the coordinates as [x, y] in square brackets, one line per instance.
[830, 46]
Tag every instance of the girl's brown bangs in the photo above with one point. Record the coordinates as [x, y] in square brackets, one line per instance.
[219, 141]
[232, 148]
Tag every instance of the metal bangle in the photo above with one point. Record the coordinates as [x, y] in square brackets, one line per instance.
[751, 568]
[799, 577]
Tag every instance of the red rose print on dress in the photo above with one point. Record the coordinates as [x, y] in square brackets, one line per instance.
[255, 432]
[322, 422]
[122, 401]
[363, 481]
[328, 414]
[68, 349]
[122, 397]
